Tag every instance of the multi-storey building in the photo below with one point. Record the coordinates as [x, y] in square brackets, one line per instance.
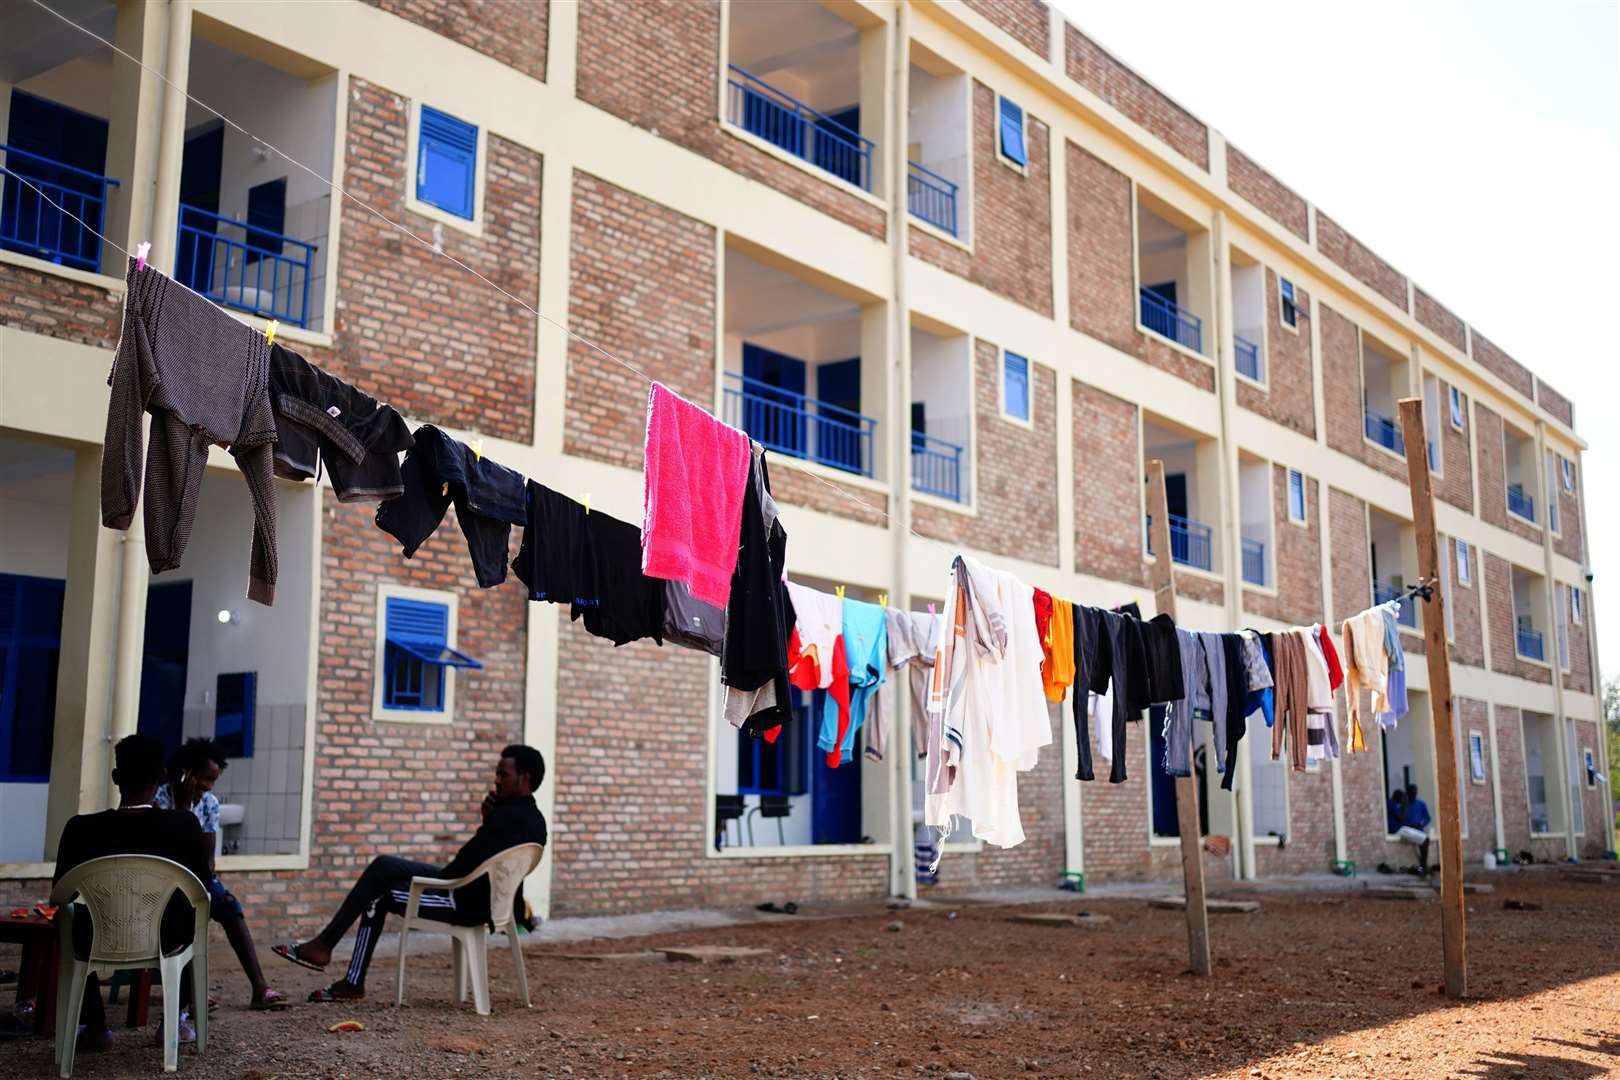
[962, 270]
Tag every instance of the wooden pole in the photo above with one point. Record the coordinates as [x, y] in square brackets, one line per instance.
[1192, 861]
[1453, 933]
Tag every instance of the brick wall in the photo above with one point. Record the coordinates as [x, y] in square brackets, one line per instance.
[1555, 403]
[1310, 847]
[1470, 715]
[1488, 429]
[39, 303]
[1017, 471]
[1028, 21]
[1503, 366]
[660, 71]
[1012, 215]
[1192, 586]
[1102, 270]
[1365, 794]
[1131, 94]
[1515, 797]
[1297, 558]
[1468, 644]
[1436, 316]
[1117, 825]
[795, 486]
[631, 777]
[1499, 604]
[1107, 486]
[1570, 541]
[1341, 395]
[438, 344]
[1359, 260]
[1595, 839]
[1267, 194]
[1579, 677]
[1351, 554]
[642, 286]
[1040, 858]
[1456, 483]
[514, 34]
[1290, 396]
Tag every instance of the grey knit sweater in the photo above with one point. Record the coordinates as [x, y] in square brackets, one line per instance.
[204, 377]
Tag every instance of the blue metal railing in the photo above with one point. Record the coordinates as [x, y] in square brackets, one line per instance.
[1254, 561]
[1248, 357]
[1189, 542]
[1163, 317]
[1530, 643]
[250, 274]
[936, 467]
[799, 426]
[1383, 431]
[782, 120]
[931, 197]
[1520, 502]
[39, 204]
[1385, 591]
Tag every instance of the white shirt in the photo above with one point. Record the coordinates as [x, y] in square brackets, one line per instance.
[820, 620]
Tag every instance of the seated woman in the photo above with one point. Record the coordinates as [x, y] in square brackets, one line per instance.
[192, 773]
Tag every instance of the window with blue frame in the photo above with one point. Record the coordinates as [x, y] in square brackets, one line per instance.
[1015, 386]
[235, 701]
[1012, 133]
[1290, 309]
[446, 163]
[781, 767]
[1296, 496]
[61, 152]
[30, 645]
[417, 654]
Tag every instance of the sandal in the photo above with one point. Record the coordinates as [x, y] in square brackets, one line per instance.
[289, 951]
[325, 996]
[272, 1001]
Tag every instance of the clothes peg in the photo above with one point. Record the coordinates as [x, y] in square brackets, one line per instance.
[142, 250]
[270, 331]
[478, 449]
[839, 589]
[587, 501]
[883, 599]
[930, 610]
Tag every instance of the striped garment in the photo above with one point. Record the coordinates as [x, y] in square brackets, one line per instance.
[204, 377]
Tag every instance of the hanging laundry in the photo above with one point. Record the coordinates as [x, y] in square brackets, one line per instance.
[1111, 655]
[1057, 648]
[320, 419]
[1291, 675]
[759, 615]
[1397, 668]
[1324, 641]
[1257, 662]
[1198, 702]
[690, 622]
[819, 623]
[489, 499]
[907, 634]
[555, 562]
[204, 378]
[866, 648]
[1232, 723]
[1367, 663]
[1319, 695]
[696, 472]
[629, 605]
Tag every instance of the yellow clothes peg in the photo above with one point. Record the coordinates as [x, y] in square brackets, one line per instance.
[883, 599]
[270, 331]
[840, 591]
[478, 449]
[587, 502]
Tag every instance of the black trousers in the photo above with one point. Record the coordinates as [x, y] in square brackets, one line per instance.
[383, 888]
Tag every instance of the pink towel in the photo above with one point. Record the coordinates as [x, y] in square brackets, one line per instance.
[696, 472]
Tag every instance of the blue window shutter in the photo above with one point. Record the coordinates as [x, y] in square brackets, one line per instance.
[446, 163]
[1012, 133]
[1016, 389]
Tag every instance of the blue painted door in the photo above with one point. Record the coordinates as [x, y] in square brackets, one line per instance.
[835, 812]
[200, 168]
[838, 426]
[838, 149]
[30, 644]
[773, 399]
[163, 663]
[32, 225]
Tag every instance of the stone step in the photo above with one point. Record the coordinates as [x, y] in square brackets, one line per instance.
[712, 954]
[1402, 892]
[1057, 919]
[1214, 907]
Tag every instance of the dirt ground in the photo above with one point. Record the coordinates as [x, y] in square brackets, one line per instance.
[1326, 984]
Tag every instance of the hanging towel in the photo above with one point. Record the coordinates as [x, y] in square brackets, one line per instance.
[696, 474]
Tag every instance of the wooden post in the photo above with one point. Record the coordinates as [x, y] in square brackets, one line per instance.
[1192, 860]
[1453, 933]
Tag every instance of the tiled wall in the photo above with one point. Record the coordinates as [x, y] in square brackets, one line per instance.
[269, 785]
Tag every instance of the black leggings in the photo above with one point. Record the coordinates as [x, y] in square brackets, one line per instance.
[385, 872]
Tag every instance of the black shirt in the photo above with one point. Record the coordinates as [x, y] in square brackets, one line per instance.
[509, 823]
[630, 605]
[168, 834]
[554, 561]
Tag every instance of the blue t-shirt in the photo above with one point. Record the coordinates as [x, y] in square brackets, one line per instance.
[1417, 814]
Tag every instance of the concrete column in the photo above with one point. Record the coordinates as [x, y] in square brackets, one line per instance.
[80, 758]
[1597, 675]
[136, 102]
[888, 133]
[1572, 790]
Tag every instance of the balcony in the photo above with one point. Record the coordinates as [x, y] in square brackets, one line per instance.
[1167, 320]
[1248, 358]
[1383, 431]
[936, 467]
[1190, 542]
[791, 423]
[1385, 591]
[51, 210]
[1254, 561]
[1520, 502]
[785, 122]
[250, 269]
[931, 197]
[1529, 643]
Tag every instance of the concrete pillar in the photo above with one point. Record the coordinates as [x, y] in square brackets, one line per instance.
[133, 113]
[877, 124]
[1571, 788]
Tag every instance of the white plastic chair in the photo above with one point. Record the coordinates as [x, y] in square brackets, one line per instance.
[469, 944]
[126, 896]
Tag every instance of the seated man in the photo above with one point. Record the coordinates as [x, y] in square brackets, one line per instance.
[510, 818]
[193, 771]
[1395, 811]
[1415, 827]
[137, 827]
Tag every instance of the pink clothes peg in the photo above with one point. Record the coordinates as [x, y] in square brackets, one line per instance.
[142, 250]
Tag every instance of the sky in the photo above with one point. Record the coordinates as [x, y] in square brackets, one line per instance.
[1474, 145]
